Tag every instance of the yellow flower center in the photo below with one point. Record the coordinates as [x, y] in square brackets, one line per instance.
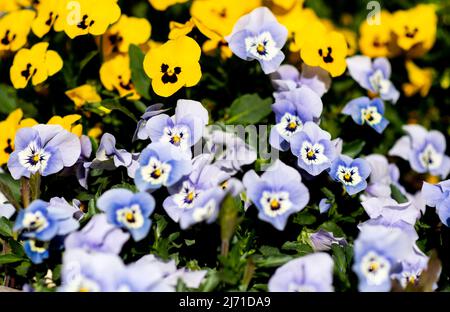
[310, 154]
[374, 266]
[129, 216]
[176, 139]
[292, 125]
[156, 173]
[190, 196]
[275, 204]
[347, 177]
[261, 48]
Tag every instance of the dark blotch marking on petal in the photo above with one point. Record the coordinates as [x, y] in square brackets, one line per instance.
[6, 39]
[9, 149]
[169, 76]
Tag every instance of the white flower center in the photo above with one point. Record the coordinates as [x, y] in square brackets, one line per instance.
[371, 115]
[289, 125]
[34, 158]
[262, 47]
[275, 203]
[379, 83]
[375, 268]
[131, 217]
[177, 136]
[313, 154]
[430, 158]
[206, 212]
[410, 278]
[349, 176]
[156, 172]
[34, 221]
[186, 197]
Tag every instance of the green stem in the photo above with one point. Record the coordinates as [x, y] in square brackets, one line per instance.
[25, 191]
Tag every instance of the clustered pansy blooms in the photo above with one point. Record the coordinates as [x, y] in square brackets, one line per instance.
[222, 145]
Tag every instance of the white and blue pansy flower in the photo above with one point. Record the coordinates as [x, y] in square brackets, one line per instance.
[182, 130]
[206, 208]
[161, 164]
[438, 196]
[351, 173]
[425, 150]
[378, 251]
[366, 111]
[311, 273]
[313, 148]
[277, 194]
[186, 202]
[292, 110]
[36, 250]
[43, 149]
[373, 76]
[259, 36]
[43, 221]
[128, 211]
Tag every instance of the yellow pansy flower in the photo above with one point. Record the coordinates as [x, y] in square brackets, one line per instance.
[376, 39]
[280, 7]
[115, 74]
[91, 17]
[179, 29]
[162, 5]
[174, 65]
[210, 46]
[420, 80]
[85, 94]
[68, 123]
[50, 13]
[8, 129]
[220, 16]
[96, 132]
[302, 25]
[349, 35]
[14, 29]
[415, 28]
[35, 64]
[128, 30]
[327, 50]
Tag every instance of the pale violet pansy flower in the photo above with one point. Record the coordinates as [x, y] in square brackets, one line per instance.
[373, 76]
[313, 148]
[425, 150]
[196, 198]
[311, 273]
[378, 252]
[438, 196]
[366, 111]
[292, 110]
[98, 235]
[43, 149]
[277, 193]
[161, 164]
[259, 36]
[288, 77]
[352, 173]
[128, 211]
[182, 130]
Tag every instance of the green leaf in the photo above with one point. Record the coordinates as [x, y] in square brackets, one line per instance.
[114, 104]
[273, 261]
[354, 148]
[9, 258]
[89, 57]
[332, 227]
[301, 248]
[6, 227]
[268, 251]
[140, 79]
[304, 218]
[10, 189]
[397, 195]
[7, 99]
[249, 109]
